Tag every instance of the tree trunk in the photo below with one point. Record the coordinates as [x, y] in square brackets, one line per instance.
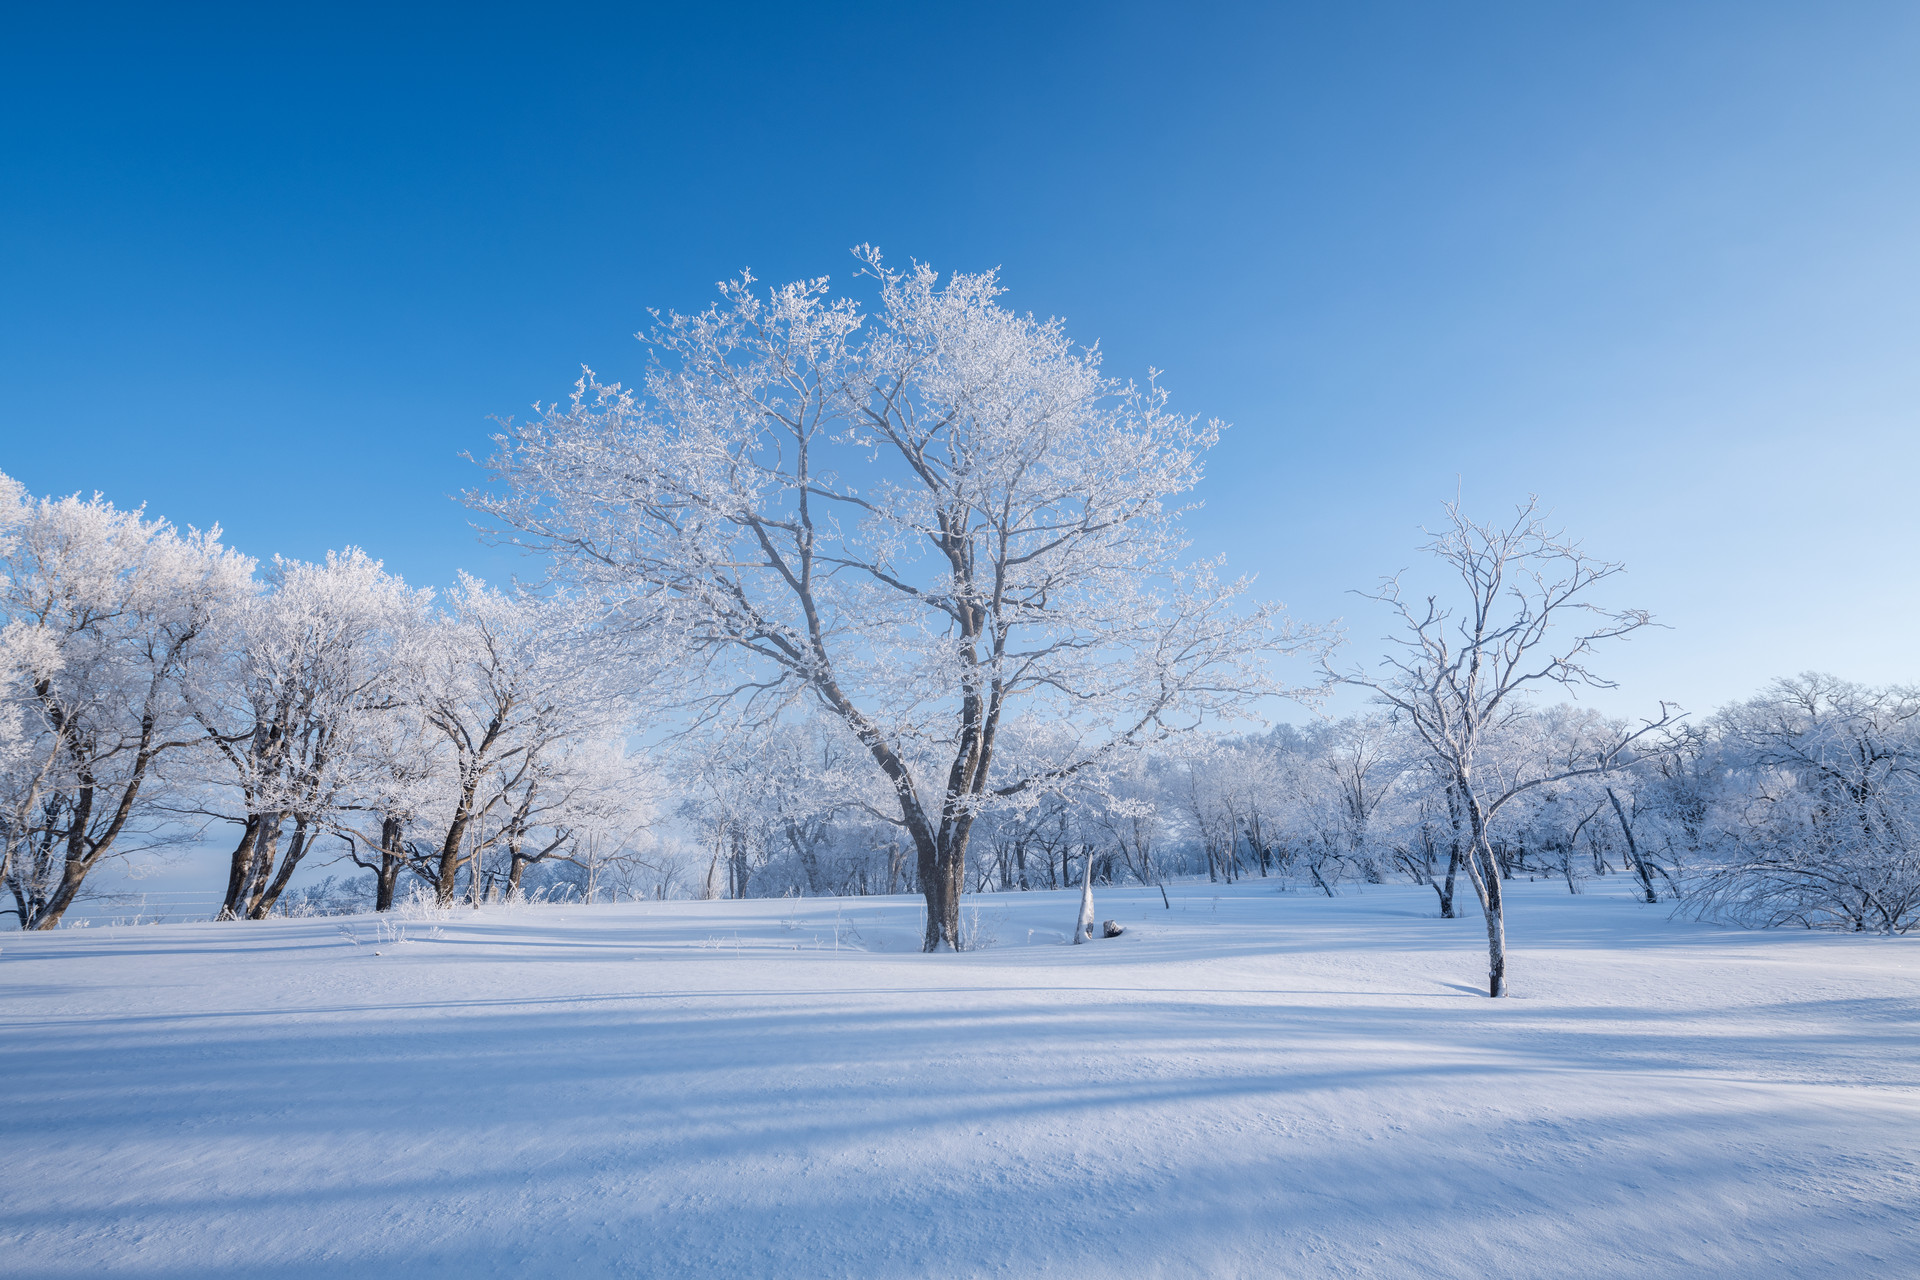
[74, 871]
[240, 868]
[1566, 869]
[386, 879]
[262, 905]
[1496, 940]
[1446, 894]
[1485, 871]
[450, 859]
[1633, 847]
[806, 847]
[392, 858]
[742, 871]
[266, 845]
[942, 881]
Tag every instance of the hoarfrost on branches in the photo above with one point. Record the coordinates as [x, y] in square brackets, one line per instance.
[924, 520]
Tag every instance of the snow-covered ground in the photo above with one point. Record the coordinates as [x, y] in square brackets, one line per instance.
[1251, 1084]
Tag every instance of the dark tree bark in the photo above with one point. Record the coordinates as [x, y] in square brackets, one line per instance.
[1633, 848]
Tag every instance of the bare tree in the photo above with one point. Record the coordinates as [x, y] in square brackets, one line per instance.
[1519, 619]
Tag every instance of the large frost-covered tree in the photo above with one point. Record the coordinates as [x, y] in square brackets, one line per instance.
[926, 518]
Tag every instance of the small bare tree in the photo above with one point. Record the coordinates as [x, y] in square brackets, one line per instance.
[1460, 673]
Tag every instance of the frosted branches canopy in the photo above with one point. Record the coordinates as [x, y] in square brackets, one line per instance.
[917, 517]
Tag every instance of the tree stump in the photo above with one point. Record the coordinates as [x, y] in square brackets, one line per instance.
[1111, 929]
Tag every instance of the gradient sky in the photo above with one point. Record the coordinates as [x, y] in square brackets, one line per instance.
[1659, 264]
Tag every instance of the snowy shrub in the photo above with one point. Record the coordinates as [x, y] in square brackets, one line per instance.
[331, 897]
[1818, 823]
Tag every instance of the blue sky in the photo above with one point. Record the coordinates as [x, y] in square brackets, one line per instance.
[1659, 264]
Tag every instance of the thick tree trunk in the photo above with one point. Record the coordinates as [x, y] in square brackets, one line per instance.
[240, 868]
[73, 872]
[265, 850]
[450, 860]
[392, 859]
[252, 863]
[262, 905]
[942, 881]
[386, 879]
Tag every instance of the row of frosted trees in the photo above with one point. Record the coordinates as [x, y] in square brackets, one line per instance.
[1800, 806]
[161, 688]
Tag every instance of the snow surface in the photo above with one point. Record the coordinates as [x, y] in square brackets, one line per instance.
[1250, 1084]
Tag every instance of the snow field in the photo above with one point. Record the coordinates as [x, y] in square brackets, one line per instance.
[1250, 1084]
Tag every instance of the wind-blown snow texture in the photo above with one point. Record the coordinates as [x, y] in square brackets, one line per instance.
[1250, 1084]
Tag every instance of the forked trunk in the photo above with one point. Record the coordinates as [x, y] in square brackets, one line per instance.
[252, 864]
[262, 905]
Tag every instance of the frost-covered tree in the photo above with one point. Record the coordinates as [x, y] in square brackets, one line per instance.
[287, 697]
[1204, 791]
[570, 798]
[924, 519]
[1425, 830]
[502, 682]
[1362, 757]
[102, 610]
[1821, 822]
[1517, 618]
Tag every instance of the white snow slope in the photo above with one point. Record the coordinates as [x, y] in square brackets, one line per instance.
[1249, 1084]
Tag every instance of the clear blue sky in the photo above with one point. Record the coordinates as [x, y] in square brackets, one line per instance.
[1658, 263]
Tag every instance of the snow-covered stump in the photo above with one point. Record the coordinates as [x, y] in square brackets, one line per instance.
[1083, 927]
